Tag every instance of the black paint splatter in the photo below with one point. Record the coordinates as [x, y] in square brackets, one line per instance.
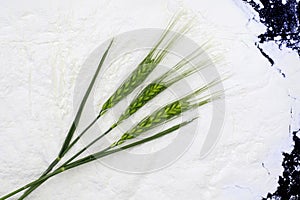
[282, 22]
[271, 61]
[265, 54]
[289, 182]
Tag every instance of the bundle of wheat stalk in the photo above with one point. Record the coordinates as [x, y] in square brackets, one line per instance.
[160, 116]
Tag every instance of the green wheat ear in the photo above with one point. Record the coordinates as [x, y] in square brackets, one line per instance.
[171, 111]
[134, 80]
[150, 62]
[164, 81]
[148, 93]
[151, 121]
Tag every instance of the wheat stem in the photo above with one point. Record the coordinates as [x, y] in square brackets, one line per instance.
[93, 157]
[65, 147]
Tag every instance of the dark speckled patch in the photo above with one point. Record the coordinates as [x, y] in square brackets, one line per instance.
[289, 182]
[282, 22]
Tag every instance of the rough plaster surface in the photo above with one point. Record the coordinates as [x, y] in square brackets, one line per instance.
[42, 47]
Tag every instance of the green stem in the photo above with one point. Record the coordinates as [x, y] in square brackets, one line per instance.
[26, 193]
[80, 135]
[44, 178]
[49, 169]
[82, 104]
[86, 147]
[55, 162]
[109, 150]
[33, 183]
[93, 157]
[30, 190]
[66, 145]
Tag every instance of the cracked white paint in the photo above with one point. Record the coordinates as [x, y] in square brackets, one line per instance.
[42, 47]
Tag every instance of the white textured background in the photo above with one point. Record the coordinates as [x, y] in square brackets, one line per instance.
[42, 47]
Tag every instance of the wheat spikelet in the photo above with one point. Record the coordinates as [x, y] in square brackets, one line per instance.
[148, 93]
[134, 80]
[156, 118]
